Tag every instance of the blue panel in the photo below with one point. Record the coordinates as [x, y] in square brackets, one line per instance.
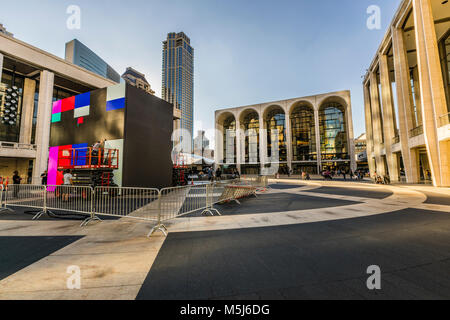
[81, 154]
[83, 100]
[115, 104]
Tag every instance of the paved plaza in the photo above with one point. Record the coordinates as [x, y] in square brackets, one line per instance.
[298, 240]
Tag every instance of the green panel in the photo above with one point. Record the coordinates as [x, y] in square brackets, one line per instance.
[56, 117]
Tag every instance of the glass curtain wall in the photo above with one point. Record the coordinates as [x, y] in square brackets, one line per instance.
[333, 132]
[251, 130]
[303, 134]
[276, 135]
[10, 133]
[229, 140]
[444, 51]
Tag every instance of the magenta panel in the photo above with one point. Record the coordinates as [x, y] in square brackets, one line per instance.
[57, 107]
[52, 165]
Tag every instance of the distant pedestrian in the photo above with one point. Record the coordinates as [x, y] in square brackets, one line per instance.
[44, 178]
[16, 181]
[218, 173]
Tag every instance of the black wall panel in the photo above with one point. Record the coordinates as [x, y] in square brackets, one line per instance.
[148, 146]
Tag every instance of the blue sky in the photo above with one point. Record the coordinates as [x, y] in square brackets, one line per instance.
[246, 51]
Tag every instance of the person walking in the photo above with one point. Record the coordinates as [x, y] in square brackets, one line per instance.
[68, 180]
[218, 173]
[44, 178]
[16, 181]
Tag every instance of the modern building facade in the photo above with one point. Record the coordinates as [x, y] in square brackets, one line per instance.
[80, 55]
[303, 134]
[138, 80]
[407, 96]
[178, 83]
[39, 78]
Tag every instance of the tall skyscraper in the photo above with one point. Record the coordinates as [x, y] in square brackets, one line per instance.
[178, 83]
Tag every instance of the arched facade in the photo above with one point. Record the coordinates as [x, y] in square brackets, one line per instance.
[227, 126]
[302, 134]
[275, 124]
[250, 126]
[333, 131]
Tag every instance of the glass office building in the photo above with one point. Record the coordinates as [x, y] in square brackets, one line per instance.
[178, 82]
[80, 55]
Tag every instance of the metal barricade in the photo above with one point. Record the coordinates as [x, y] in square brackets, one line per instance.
[25, 196]
[3, 199]
[135, 203]
[65, 199]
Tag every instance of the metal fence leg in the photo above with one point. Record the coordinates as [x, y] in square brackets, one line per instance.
[4, 205]
[210, 203]
[92, 217]
[44, 206]
[159, 226]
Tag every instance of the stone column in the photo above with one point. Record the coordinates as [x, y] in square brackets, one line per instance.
[26, 123]
[350, 135]
[377, 129]
[262, 141]
[1, 67]
[433, 99]
[388, 117]
[402, 81]
[288, 139]
[218, 152]
[238, 143]
[317, 128]
[369, 130]
[43, 122]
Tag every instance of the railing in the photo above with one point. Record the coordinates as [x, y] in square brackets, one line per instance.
[150, 205]
[444, 120]
[417, 131]
[87, 158]
[18, 146]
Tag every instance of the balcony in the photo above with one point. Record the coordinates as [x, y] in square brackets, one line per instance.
[17, 150]
[417, 131]
[444, 120]
[396, 140]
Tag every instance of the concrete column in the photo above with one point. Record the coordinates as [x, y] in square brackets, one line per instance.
[388, 117]
[403, 84]
[369, 130]
[238, 144]
[317, 128]
[289, 139]
[433, 99]
[351, 136]
[43, 122]
[1, 67]
[262, 141]
[377, 129]
[218, 152]
[26, 123]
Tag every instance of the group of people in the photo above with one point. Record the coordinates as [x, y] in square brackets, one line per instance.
[329, 175]
[216, 175]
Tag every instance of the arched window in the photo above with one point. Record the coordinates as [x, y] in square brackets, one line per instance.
[276, 135]
[250, 125]
[333, 132]
[303, 134]
[229, 140]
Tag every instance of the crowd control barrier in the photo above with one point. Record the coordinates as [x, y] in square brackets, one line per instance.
[146, 204]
